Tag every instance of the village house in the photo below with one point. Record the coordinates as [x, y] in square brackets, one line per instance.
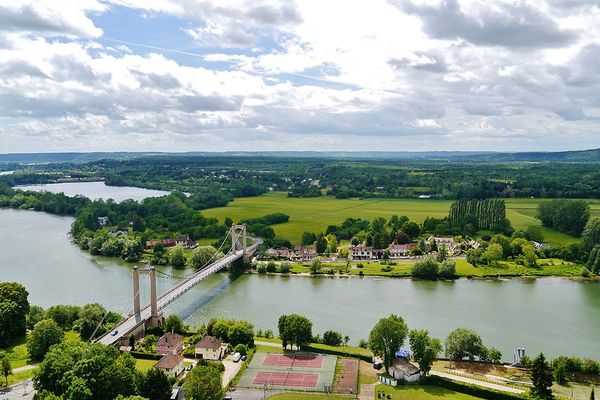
[448, 242]
[361, 252]
[301, 254]
[150, 244]
[171, 364]
[103, 221]
[210, 348]
[117, 232]
[185, 242]
[169, 343]
[400, 250]
[404, 370]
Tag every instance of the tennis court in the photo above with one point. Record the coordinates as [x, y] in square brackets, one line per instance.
[292, 370]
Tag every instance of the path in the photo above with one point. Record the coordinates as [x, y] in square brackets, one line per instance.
[25, 368]
[476, 382]
[367, 391]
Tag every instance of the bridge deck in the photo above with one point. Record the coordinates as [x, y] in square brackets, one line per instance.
[134, 320]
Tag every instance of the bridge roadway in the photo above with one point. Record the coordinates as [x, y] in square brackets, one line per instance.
[134, 320]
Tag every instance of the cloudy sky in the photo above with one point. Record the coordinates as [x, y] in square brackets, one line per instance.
[397, 75]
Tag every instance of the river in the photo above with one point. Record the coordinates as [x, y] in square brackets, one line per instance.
[96, 190]
[556, 316]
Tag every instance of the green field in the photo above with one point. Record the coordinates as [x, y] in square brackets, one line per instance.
[315, 214]
[409, 392]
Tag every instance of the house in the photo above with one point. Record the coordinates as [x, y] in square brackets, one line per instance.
[150, 244]
[400, 250]
[185, 242]
[424, 196]
[103, 221]
[117, 232]
[303, 254]
[210, 348]
[540, 246]
[169, 343]
[361, 252]
[283, 252]
[404, 370]
[271, 252]
[171, 364]
[448, 242]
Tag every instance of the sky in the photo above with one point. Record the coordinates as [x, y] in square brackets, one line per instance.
[353, 75]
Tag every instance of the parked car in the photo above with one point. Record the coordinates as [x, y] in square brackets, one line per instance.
[236, 357]
[243, 358]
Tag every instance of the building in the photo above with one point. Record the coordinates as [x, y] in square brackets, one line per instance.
[169, 343]
[301, 254]
[448, 242]
[171, 364]
[540, 246]
[117, 232]
[210, 348]
[283, 252]
[103, 221]
[404, 370]
[361, 252]
[150, 244]
[185, 242]
[400, 250]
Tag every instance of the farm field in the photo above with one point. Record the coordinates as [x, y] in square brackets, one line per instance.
[315, 214]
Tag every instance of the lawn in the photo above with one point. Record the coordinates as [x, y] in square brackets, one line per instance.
[315, 214]
[144, 365]
[421, 393]
[307, 396]
[17, 352]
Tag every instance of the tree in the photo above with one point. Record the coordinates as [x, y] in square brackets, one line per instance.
[90, 317]
[493, 253]
[530, 255]
[154, 385]
[591, 234]
[308, 238]
[332, 243]
[177, 256]
[541, 379]
[566, 215]
[462, 343]
[203, 382]
[5, 367]
[343, 252]
[240, 332]
[332, 338]
[132, 250]
[447, 269]
[412, 229]
[494, 355]
[316, 265]
[201, 256]
[386, 337]
[425, 348]
[240, 348]
[35, 315]
[14, 308]
[44, 334]
[294, 329]
[321, 244]
[174, 324]
[425, 269]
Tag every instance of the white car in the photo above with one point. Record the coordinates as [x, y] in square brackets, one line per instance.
[236, 357]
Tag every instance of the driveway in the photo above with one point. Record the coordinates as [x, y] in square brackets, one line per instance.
[231, 369]
[23, 390]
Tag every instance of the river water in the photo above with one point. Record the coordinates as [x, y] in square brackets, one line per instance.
[96, 190]
[556, 316]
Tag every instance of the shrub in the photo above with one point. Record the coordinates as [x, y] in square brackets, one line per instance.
[261, 269]
[425, 269]
[271, 267]
[447, 269]
[240, 348]
[285, 268]
[332, 338]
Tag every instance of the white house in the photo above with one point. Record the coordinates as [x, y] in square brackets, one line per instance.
[402, 369]
[103, 221]
[361, 252]
[400, 250]
[448, 242]
[210, 348]
[171, 364]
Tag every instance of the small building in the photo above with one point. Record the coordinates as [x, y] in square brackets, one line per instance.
[150, 244]
[301, 254]
[361, 252]
[185, 242]
[103, 221]
[117, 232]
[540, 246]
[404, 370]
[169, 343]
[171, 364]
[283, 252]
[210, 348]
[448, 242]
[400, 250]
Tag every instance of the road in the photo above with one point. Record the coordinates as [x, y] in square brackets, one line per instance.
[23, 391]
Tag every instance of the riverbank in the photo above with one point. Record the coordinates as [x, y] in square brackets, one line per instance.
[551, 267]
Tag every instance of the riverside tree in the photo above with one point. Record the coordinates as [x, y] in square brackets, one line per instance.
[425, 348]
[294, 329]
[464, 343]
[44, 334]
[14, 308]
[386, 337]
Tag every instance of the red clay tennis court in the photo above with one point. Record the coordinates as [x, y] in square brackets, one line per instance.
[282, 360]
[297, 379]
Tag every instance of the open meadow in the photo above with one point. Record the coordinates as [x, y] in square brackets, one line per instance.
[315, 214]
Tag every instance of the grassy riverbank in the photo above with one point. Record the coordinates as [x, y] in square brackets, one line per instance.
[315, 214]
[402, 269]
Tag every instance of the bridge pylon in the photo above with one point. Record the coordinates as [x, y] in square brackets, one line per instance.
[236, 232]
[156, 319]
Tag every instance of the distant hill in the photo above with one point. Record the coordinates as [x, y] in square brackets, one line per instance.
[586, 156]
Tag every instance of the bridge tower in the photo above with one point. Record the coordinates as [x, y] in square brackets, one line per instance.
[156, 319]
[236, 232]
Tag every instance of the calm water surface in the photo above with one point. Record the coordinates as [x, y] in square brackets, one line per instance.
[96, 190]
[552, 315]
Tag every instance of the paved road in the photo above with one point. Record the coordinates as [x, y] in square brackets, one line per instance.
[22, 391]
[25, 368]
[231, 369]
[476, 382]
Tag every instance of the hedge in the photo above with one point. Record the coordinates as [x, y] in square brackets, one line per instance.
[341, 351]
[476, 391]
[145, 356]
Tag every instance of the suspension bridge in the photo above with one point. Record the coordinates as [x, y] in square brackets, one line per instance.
[151, 315]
